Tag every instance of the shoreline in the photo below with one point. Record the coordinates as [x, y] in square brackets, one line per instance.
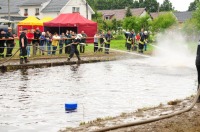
[174, 123]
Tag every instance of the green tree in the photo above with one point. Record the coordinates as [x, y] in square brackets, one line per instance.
[151, 5]
[128, 12]
[166, 6]
[196, 16]
[163, 22]
[193, 5]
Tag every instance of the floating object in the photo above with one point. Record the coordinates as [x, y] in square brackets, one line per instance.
[70, 106]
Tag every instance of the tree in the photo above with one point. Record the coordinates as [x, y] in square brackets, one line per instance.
[163, 22]
[166, 6]
[196, 16]
[151, 5]
[128, 12]
[193, 5]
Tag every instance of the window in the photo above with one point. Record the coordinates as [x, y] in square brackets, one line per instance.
[75, 9]
[107, 17]
[37, 11]
[25, 12]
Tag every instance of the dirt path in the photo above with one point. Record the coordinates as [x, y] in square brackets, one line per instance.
[186, 122]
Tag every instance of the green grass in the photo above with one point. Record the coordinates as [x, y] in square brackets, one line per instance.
[89, 50]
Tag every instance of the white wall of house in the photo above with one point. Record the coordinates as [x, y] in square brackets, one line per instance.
[49, 14]
[82, 8]
[31, 10]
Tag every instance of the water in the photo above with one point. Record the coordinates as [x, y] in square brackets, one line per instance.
[33, 100]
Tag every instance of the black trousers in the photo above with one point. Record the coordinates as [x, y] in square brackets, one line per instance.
[74, 50]
[82, 48]
[95, 47]
[23, 52]
[10, 47]
[2, 48]
[67, 49]
[128, 45]
[141, 46]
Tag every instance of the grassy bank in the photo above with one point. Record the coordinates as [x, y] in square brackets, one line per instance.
[89, 49]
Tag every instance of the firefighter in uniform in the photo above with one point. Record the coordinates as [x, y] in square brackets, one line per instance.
[142, 41]
[23, 41]
[198, 66]
[74, 46]
[129, 43]
[10, 43]
[2, 42]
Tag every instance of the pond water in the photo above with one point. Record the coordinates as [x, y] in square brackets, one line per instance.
[33, 99]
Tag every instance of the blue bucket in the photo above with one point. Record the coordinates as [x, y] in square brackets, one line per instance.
[70, 106]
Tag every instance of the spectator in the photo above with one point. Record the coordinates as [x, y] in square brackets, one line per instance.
[83, 40]
[9, 43]
[42, 43]
[96, 40]
[55, 41]
[67, 42]
[2, 42]
[108, 38]
[61, 42]
[36, 41]
[48, 37]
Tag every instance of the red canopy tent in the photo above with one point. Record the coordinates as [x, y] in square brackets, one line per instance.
[73, 21]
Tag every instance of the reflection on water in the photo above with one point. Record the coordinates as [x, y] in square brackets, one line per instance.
[33, 99]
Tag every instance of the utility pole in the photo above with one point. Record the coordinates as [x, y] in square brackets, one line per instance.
[86, 10]
[9, 12]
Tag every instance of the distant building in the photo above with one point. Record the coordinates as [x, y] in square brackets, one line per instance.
[183, 16]
[180, 16]
[120, 14]
[45, 8]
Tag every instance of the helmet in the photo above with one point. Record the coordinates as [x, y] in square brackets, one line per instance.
[145, 32]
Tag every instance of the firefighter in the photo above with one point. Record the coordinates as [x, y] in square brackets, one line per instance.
[23, 42]
[74, 46]
[2, 42]
[129, 43]
[142, 41]
[198, 65]
[10, 43]
[108, 38]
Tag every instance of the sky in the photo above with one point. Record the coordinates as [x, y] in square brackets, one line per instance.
[179, 5]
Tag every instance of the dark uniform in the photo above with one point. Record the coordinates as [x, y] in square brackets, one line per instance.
[198, 65]
[74, 49]
[129, 43]
[108, 38]
[2, 42]
[67, 42]
[23, 50]
[10, 44]
[142, 41]
[36, 41]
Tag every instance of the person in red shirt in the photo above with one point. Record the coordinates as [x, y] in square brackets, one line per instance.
[30, 37]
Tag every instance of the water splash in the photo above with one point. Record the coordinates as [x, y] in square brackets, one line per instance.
[172, 50]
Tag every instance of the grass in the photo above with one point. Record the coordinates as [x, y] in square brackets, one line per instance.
[89, 50]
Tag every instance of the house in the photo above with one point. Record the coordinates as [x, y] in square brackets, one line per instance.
[180, 16]
[45, 8]
[183, 16]
[120, 14]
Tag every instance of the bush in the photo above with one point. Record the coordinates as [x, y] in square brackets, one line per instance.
[119, 37]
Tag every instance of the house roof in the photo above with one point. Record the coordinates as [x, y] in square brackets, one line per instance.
[156, 14]
[183, 16]
[13, 4]
[55, 5]
[120, 13]
[33, 2]
[14, 18]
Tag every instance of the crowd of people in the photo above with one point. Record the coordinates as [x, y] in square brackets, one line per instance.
[136, 41]
[47, 43]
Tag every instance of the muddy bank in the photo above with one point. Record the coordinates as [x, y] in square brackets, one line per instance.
[186, 122]
[49, 61]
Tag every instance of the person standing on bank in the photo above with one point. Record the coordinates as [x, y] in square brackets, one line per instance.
[2, 42]
[23, 42]
[96, 41]
[10, 43]
[198, 66]
[108, 38]
[102, 37]
[83, 40]
[74, 46]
